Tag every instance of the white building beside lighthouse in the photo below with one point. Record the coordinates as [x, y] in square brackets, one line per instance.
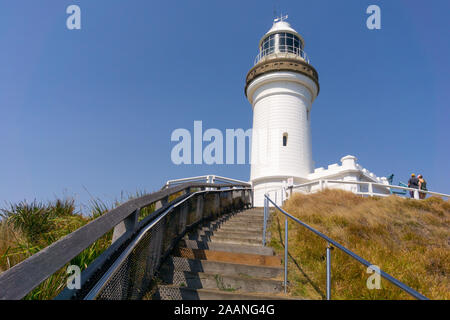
[281, 87]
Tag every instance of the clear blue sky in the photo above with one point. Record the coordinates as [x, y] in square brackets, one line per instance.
[95, 108]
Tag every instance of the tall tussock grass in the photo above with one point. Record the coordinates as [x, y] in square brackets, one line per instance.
[406, 238]
[26, 228]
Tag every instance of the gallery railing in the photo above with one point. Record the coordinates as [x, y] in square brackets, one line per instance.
[331, 244]
[363, 188]
[139, 244]
[282, 51]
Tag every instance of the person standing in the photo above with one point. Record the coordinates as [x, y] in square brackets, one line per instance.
[422, 186]
[413, 182]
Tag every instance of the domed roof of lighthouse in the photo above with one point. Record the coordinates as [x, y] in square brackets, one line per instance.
[280, 25]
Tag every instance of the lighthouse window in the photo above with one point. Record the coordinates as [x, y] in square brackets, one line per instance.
[281, 42]
[268, 45]
[285, 137]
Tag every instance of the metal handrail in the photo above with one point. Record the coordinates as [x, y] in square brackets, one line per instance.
[368, 183]
[207, 178]
[94, 292]
[331, 243]
[19, 280]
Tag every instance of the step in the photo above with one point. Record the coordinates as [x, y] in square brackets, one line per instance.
[228, 232]
[238, 230]
[244, 222]
[249, 214]
[230, 257]
[239, 233]
[255, 249]
[224, 268]
[239, 223]
[253, 211]
[225, 239]
[184, 293]
[242, 217]
[201, 280]
[240, 227]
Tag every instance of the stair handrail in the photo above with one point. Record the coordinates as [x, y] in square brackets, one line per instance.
[210, 178]
[331, 243]
[94, 292]
[19, 280]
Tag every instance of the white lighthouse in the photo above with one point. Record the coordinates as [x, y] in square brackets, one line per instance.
[281, 88]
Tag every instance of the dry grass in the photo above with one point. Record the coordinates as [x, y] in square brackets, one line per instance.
[27, 228]
[8, 239]
[406, 238]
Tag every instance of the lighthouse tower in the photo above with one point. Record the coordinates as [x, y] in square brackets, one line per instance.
[281, 88]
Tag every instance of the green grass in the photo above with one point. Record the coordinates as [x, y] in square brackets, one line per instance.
[404, 237]
[27, 228]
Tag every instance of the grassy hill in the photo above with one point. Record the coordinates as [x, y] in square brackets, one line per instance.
[26, 228]
[406, 238]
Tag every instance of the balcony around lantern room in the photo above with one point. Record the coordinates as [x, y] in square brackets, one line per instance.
[281, 51]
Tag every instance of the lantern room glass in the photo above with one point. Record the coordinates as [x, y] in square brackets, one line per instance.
[281, 42]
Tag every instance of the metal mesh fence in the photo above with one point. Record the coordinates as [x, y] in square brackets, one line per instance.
[131, 277]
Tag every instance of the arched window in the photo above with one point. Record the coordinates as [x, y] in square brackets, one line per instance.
[285, 138]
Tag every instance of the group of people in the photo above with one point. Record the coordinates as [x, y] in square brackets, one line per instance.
[417, 183]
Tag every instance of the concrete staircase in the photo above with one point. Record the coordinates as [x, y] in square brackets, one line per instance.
[223, 259]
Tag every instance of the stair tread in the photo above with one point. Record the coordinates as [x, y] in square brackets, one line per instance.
[224, 259]
[224, 256]
[208, 245]
[226, 295]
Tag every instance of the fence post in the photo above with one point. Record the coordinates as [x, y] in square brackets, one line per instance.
[371, 189]
[329, 248]
[416, 194]
[266, 209]
[321, 185]
[285, 253]
[127, 225]
[161, 203]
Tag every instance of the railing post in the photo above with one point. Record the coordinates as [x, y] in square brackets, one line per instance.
[161, 203]
[329, 248]
[266, 209]
[285, 253]
[127, 225]
[371, 189]
[416, 194]
[321, 185]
